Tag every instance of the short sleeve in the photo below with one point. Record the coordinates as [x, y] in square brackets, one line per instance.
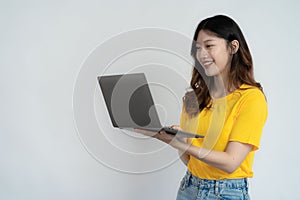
[250, 119]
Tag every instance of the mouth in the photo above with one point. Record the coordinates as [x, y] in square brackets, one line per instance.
[207, 64]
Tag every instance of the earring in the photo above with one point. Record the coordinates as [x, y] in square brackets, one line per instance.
[197, 84]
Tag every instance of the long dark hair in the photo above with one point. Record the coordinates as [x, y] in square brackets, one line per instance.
[241, 70]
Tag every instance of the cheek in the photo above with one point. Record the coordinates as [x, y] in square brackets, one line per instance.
[198, 56]
[221, 56]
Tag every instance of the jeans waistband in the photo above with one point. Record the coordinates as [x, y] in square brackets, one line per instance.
[223, 183]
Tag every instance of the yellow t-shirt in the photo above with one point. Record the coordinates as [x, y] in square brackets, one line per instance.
[239, 117]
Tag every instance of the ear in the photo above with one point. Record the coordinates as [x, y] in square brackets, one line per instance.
[235, 46]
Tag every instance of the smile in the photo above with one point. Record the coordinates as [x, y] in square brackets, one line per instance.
[207, 63]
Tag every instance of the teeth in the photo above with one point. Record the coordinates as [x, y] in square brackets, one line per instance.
[207, 63]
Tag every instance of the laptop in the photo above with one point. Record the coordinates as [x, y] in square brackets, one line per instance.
[130, 104]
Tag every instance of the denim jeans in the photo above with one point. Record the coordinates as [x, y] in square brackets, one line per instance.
[194, 188]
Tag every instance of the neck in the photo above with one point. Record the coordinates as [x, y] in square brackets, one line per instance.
[220, 86]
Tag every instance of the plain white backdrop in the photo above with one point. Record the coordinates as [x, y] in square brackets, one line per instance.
[42, 47]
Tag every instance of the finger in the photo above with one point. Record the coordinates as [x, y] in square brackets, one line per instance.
[176, 127]
[144, 132]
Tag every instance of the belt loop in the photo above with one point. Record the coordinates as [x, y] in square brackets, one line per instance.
[217, 188]
[188, 176]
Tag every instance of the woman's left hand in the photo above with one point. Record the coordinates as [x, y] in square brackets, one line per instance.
[162, 136]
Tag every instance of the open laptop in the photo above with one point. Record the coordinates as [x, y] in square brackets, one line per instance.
[130, 104]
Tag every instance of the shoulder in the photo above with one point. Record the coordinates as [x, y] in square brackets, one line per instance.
[249, 92]
[252, 100]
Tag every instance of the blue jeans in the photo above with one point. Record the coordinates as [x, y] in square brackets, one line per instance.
[194, 188]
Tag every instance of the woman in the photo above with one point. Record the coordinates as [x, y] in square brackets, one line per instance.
[227, 106]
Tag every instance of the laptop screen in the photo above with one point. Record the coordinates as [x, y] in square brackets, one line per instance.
[129, 101]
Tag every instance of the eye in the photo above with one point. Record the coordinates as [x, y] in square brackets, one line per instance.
[208, 46]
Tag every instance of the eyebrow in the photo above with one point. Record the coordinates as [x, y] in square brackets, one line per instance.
[209, 40]
[205, 41]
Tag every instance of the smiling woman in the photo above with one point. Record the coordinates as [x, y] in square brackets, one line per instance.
[213, 53]
[227, 106]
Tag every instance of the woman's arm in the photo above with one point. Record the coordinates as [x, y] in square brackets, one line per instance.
[227, 161]
[184, 157]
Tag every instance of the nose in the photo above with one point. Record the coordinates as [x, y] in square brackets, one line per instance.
[202, 53]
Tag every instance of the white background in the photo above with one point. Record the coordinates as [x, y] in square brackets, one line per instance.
[42, 47]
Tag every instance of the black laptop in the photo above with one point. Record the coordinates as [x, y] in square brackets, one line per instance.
[130, 104]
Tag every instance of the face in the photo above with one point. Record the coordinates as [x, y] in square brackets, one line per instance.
[213, 54]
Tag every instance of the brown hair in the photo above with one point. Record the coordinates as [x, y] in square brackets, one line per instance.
[241, 70]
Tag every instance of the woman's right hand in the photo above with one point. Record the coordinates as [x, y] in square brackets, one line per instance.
[182, 139]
